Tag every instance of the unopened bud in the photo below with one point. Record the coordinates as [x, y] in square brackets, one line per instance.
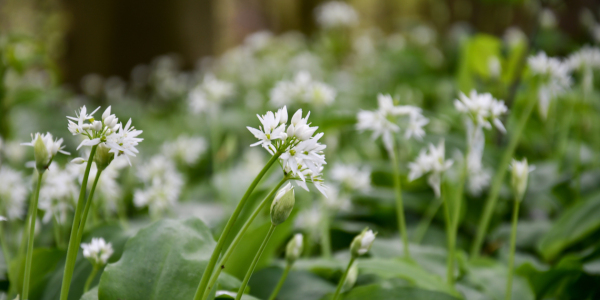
[293, 250]
[97, 126]
[362, 243]
[40, 152]
[103, 157]
[106, 114]
[282, 204]
[78, 161]
[519, 175]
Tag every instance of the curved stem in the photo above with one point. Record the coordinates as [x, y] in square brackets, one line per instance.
[88, 205]
[215, 276]
[89, 280]
[511, 257]
[492, 198]
[215, 255]
[255, 261]
[286, 271]
[73, 247]
[29, 257]
[430, 213]
[338, 290]
[399, 204]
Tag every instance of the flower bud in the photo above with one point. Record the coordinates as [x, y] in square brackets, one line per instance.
[293, 250]
[297, 117]
[519, 175]
[282, 204]
[106, 114]
[103, 157]
[41, 154]
[97, 126]
[362, 242]
[351, 278]
[78, 161]
[283, 116]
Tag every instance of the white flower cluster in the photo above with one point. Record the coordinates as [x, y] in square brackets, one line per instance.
[481, 111]
[383, 121]
[13, 193]
[351, 177]
[52, 146]
[301, 153]
[162, 185]
[58, 193]
[336, 14]
[586, 57]
[554, 79]
[209, 94]
[98, 251]
[431, 161]
[302, 89]
[185, 149]
[121, 140]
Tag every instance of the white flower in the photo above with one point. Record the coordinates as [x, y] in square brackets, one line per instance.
[520, 172]
[270, 130]
[51, 146]
[431, 161]
[124, 141]
[13, 193]
[186, 149]
[209, 94]
[162, 185]
[98, 251]
[554, 79]
[383, 121]
[362, 242]
[336, 14]
[58, 193]
[302, 89]
[352, 177]
[482, 109]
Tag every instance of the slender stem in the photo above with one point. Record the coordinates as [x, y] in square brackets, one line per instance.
[511, 257]
[338, 290]
[56, 229]
[215, 276]
[73, 247]
[286, 271]
[430, 213]
[492, 198]
[449, 237]
[88, 205]
[255, 261]
[29, 257]
[325, 236]
[399, 204]
[89, 280]
[5, 250]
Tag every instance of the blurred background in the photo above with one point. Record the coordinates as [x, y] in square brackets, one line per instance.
[111, 37]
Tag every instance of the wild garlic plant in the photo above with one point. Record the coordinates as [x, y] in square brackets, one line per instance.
[361, 244]
[293, 250]
[301, 157]
[383, 122]
[108, 139]
[45, 148]
[97, 252]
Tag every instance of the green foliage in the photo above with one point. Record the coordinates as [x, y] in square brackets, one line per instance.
[393, 289]
[299, 285]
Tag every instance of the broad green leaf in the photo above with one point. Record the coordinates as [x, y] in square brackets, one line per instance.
[91, 294]
[547, 281]
[44, 262]
[299, 285]
[489, 277]
[578, 222]
[232, 295]
[391, 290]
[163, 261]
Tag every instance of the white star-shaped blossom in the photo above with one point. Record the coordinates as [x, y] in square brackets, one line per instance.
[98, 251]
[431, 161]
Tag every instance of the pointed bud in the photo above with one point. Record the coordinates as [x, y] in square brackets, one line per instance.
[297, 117]
[283, 116]
[282, 204]
[78, 161]
[519, 175]
[97, 126]
[40, 152]
[362, 243]
[103, 157]
[106, 113]
[294, 247]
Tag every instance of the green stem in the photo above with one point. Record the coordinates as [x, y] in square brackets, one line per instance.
[511, 257]
[286, 271]
[255, 261]
[215, 276]
[492, 198]
[56, 229]
[88, 205]
[430, 213]
[325, 236]
[338, 290]
[399, 204]
[73, 247]
[215, 255]
[29, 257]
[5, 250]
[89, 280]
[449, 237]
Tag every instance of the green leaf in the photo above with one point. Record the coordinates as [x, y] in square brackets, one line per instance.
[231, 295]
[546, 281]
[44, 262]
[299, 285]
[163, 261]
[578, 222]
[91, 294]
[392, 290]
[489, 277]
[474, 60]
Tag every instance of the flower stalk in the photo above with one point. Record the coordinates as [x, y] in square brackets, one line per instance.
[32, 218]
[338, 290]
[90, 278]
[286, 271]
[513, 240]
[399, 202]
